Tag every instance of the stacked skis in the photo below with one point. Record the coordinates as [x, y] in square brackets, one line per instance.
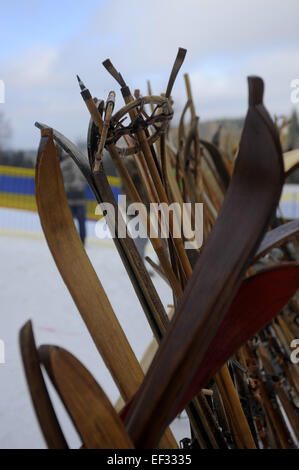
[225, 351]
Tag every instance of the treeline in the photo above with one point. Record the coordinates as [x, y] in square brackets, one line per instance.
[226, 131]
[19, 158]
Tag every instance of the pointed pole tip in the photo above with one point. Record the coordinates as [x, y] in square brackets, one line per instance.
[81, 84]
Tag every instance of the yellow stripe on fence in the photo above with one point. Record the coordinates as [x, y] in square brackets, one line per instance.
[28, 203]
[17, 171]
[290, 197]
[18, 201]
[30, 173]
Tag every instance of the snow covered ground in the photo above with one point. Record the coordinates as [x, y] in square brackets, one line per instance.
[31, 288]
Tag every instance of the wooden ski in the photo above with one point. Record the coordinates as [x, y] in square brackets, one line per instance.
[79, 275]
[277, 237]
[131, 259]
[83, 397]
[39, 394]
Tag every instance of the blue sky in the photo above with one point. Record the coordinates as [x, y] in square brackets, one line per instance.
[23, 24]
[44, 44]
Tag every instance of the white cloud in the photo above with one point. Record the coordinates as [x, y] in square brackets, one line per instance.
[226, 41]
[32, 68]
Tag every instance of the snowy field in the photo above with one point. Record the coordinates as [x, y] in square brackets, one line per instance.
[31, 288]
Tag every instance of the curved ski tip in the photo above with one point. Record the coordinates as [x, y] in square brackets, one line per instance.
[256, 90]
[27, 327]
[45, 351]
[42, 126]
[45, 355]
[44, 129]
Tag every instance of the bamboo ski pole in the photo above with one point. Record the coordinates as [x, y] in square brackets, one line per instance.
[158, 317]
[104, 129]
[231, 399]
[173, 226]
[189, 96]
[153, 236]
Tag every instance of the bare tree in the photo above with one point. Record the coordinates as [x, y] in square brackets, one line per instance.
[5, 131]
[293, 131]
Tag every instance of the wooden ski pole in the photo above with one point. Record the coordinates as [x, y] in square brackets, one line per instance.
[174, 229]
[153, 236]
[156, 316]
[104, 129]
[235, 412]
[189, 96]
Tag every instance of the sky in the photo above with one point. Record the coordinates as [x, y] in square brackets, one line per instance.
[45, 44]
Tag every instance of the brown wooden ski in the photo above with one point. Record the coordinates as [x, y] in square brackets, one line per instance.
[277, 237]
[39, 394]
[94, 417]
